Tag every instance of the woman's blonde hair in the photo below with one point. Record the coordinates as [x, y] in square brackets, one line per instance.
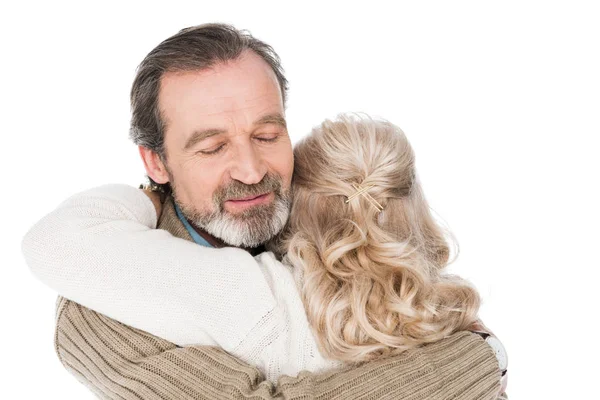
[371, 281]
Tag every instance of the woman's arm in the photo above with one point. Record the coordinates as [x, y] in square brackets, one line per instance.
[100, 248]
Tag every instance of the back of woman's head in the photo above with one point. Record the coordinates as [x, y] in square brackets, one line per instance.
[370, 253]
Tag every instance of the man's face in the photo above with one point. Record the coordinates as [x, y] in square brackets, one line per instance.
[229, 158]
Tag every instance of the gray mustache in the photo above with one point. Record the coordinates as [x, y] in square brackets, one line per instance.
[237, 189]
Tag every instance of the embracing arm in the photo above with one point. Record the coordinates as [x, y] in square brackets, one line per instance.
[100, 248]
[119, 362]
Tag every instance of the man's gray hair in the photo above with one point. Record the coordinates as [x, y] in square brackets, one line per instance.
[195, 48]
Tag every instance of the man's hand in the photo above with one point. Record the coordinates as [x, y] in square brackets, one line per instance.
[155, 197]
[478, 326]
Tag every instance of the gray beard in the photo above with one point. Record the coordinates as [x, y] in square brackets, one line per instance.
[250, 228]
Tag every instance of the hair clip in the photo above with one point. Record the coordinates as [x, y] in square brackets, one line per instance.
[363, 191]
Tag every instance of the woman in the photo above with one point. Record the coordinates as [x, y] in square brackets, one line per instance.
[361, 277]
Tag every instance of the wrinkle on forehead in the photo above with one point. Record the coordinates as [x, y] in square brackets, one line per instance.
[223, 82]
[228, 96]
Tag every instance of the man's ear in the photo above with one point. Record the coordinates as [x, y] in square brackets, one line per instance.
[155, 168]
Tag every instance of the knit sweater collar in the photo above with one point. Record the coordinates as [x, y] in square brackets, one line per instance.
[170, 222]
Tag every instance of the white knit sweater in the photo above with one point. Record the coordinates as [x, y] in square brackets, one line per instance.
[100, 248]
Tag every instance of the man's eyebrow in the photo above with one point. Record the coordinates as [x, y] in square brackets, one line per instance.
[199, 136]
[276, 119]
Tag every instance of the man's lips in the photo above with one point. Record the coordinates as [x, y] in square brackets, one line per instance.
[248, 198]
[249, 201]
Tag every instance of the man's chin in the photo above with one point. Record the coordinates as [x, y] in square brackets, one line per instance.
[242, 240]
[251, 228]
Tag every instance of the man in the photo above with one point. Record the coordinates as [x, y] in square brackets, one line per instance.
[208, 114]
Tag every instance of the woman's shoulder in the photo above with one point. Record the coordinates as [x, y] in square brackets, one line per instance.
[273, 267]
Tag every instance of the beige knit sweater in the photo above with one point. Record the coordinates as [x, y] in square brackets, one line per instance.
[119, 362]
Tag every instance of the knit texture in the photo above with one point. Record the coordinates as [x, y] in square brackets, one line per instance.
[101, 249]
[119, 362]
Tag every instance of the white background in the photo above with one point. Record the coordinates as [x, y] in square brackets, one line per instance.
[500, 100]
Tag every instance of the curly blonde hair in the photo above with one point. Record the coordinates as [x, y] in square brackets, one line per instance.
[371, 282]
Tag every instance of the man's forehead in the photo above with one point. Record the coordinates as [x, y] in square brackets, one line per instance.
[228, 96]
[214, 91]
[218, 112]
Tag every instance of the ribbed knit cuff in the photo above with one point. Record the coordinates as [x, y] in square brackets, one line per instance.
[468, 366]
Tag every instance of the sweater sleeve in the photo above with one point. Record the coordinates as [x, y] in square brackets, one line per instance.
[118, 362]
[100, 249]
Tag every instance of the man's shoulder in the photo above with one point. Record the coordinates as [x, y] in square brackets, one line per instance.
[170, 222]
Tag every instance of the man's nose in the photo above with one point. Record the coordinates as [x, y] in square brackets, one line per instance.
[248, 165]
